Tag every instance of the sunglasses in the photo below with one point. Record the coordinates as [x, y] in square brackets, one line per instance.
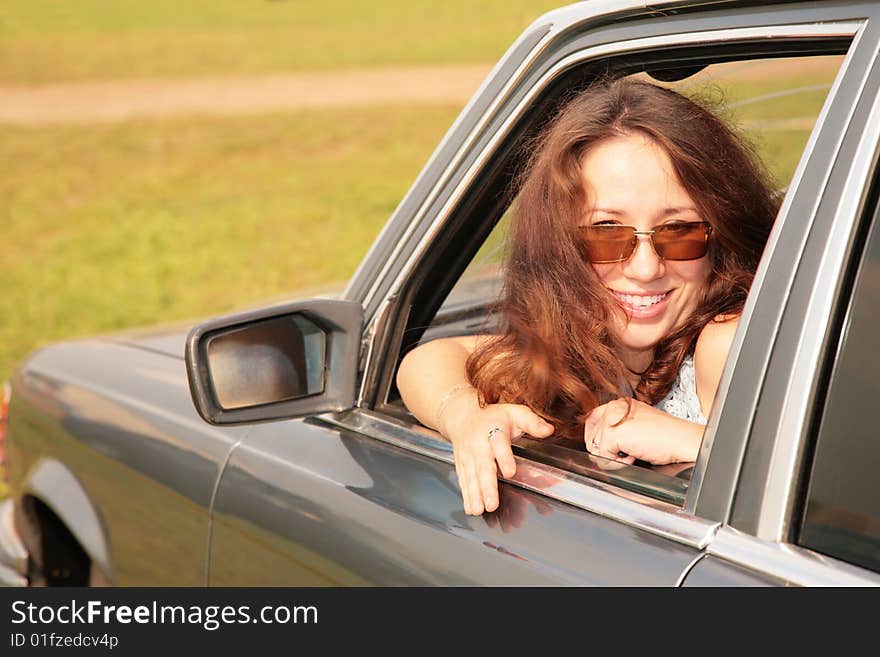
[684, 240]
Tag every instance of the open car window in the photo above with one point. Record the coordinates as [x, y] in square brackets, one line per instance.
[775, 101]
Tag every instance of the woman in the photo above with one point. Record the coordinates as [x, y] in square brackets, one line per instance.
[639, 225]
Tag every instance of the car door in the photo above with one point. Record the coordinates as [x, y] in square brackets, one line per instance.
[369, 496]
[807, 504]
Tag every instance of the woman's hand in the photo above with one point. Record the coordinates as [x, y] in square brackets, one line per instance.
[647, 434]
[481, 439]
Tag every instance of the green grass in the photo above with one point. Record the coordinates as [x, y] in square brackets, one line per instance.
[64, 40]
[106, 227]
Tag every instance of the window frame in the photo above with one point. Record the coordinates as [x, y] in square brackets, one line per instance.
[691, 524]
[767, 496]
[769, 505]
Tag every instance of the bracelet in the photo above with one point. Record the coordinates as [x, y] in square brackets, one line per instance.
[448, 397]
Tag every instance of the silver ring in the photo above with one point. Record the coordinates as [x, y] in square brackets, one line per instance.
[492, 432]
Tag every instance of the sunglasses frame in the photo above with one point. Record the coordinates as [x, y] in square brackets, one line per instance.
[650, 234]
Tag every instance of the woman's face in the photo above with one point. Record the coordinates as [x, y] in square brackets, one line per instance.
[630, 180]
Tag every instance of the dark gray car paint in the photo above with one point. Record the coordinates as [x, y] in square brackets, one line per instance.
[302, 503]
[715, 572]
[145, 461]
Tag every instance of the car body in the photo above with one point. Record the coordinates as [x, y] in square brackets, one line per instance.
[129, 466]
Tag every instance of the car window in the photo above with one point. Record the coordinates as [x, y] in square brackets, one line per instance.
[776, 102]
[842, 508]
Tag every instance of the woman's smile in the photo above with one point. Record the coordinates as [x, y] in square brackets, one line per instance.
[642, 305]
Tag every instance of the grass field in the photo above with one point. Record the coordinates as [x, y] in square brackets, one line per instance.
[113, 226]
[57, 40]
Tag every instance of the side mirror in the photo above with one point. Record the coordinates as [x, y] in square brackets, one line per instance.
[275, 363]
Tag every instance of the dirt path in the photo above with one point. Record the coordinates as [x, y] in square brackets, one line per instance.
[111, 101]
[120, 100]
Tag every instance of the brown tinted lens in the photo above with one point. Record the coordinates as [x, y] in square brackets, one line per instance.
[682, 241]
[609, 243]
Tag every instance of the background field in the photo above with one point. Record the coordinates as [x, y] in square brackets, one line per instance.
[54, 40]
[143, 222]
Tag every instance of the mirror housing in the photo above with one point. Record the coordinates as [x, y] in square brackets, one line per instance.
[275, 363]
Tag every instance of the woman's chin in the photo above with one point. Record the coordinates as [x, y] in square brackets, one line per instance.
[643, 343]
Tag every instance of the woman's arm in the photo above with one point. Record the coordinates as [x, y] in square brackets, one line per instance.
[434, 387]
[433, 374]
[710, 355]
[653, 435]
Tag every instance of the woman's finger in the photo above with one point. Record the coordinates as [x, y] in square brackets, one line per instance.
[462, 481]
[488, 484]
[499, 442]
[475, 497]
[609, 447]
[593, 430]
[526, 421]
[593, 420]
[593, 439]
[592, 442]
[618, 410]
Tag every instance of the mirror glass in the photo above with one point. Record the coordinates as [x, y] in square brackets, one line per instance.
[268, 361]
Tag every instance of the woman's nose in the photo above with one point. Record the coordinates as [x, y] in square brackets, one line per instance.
[644, 264]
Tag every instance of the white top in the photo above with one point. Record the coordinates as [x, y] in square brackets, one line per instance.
[682, 400]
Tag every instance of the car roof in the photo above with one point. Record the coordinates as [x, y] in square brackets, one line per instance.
[570, 14]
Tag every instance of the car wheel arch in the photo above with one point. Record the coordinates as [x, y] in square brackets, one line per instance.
[54, 502]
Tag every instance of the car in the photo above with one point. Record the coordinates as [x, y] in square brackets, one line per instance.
[270, 447]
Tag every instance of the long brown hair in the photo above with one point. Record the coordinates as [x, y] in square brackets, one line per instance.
[555, 352]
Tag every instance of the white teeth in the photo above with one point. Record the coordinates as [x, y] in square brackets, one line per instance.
[640, 301]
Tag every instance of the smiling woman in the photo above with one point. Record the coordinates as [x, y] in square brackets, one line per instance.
[638, 228]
